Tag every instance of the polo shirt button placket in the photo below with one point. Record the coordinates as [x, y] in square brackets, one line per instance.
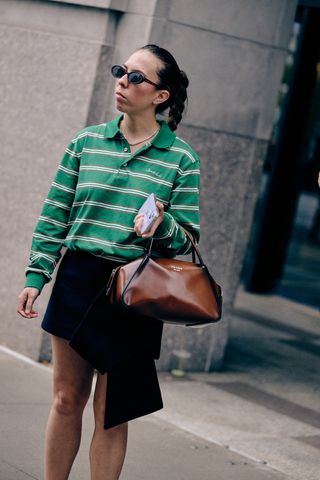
[125, 149]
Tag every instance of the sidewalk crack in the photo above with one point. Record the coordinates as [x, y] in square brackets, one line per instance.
[19, 469]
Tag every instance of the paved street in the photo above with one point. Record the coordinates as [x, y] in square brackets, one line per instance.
[257, 419]
[265, 403]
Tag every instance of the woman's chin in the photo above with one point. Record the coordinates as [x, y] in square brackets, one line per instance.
[121, 108]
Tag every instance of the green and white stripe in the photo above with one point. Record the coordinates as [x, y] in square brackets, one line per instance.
[99, 188]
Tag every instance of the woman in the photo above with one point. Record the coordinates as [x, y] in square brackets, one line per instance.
[104, 177]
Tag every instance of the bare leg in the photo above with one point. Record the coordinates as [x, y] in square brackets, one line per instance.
[108, 447]
[72, 380]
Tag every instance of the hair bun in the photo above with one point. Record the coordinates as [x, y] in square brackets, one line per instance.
[184, 79]
[173, 79]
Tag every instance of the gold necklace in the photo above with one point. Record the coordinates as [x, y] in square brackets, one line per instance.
[145, 139]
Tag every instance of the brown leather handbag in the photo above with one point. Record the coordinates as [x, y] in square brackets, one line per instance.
[167, 290]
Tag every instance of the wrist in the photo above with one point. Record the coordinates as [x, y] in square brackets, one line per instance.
[35, 280]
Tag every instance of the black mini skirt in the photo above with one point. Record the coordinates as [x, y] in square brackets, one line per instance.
[112, 341]
[80, 277]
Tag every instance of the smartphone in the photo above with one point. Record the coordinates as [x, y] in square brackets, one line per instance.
[150, 212]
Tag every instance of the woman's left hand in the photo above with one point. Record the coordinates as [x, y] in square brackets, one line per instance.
[138, 219]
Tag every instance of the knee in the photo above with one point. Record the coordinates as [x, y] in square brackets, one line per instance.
[69, 403]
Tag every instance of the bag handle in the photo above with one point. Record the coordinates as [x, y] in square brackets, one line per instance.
[138, 270]
[194, 247]
[195, 250]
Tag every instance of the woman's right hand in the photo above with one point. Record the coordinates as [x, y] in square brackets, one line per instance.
[26, 300]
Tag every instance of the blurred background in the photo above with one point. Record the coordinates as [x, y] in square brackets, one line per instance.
[253, 117]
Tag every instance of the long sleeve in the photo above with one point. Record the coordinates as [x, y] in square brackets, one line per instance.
[183, 211]
[52, 226]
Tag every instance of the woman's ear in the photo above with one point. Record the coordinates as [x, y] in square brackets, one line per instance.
[161, 97]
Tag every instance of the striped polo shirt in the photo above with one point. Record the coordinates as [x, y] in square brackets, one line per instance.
[99, 188]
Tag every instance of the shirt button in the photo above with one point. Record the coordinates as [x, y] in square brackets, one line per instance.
[125, 149]
[125, 164]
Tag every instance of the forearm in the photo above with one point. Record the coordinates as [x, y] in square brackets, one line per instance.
[170, 236]
[52, 226]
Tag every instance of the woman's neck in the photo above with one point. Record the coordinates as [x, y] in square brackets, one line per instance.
[138, 127]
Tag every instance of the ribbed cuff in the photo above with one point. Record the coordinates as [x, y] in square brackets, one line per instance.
[35, 280]
[165, 227]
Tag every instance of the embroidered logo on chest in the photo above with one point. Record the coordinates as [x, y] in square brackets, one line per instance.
[157, 174]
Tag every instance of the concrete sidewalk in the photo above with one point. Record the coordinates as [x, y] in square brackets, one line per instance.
[256, 419]
[157, 449]
[265, 402]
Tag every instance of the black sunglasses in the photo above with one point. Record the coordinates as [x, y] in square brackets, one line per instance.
[133, 77]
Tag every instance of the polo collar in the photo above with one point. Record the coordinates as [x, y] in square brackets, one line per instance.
[164, 138]
[112, 128]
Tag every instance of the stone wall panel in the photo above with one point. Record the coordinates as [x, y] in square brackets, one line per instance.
[233, 84]
[46, 89]
[54, 71]
[266, 21]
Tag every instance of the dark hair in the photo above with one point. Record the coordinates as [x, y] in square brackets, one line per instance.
[174, 80]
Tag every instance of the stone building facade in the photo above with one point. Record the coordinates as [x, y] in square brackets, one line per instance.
[54, 74]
